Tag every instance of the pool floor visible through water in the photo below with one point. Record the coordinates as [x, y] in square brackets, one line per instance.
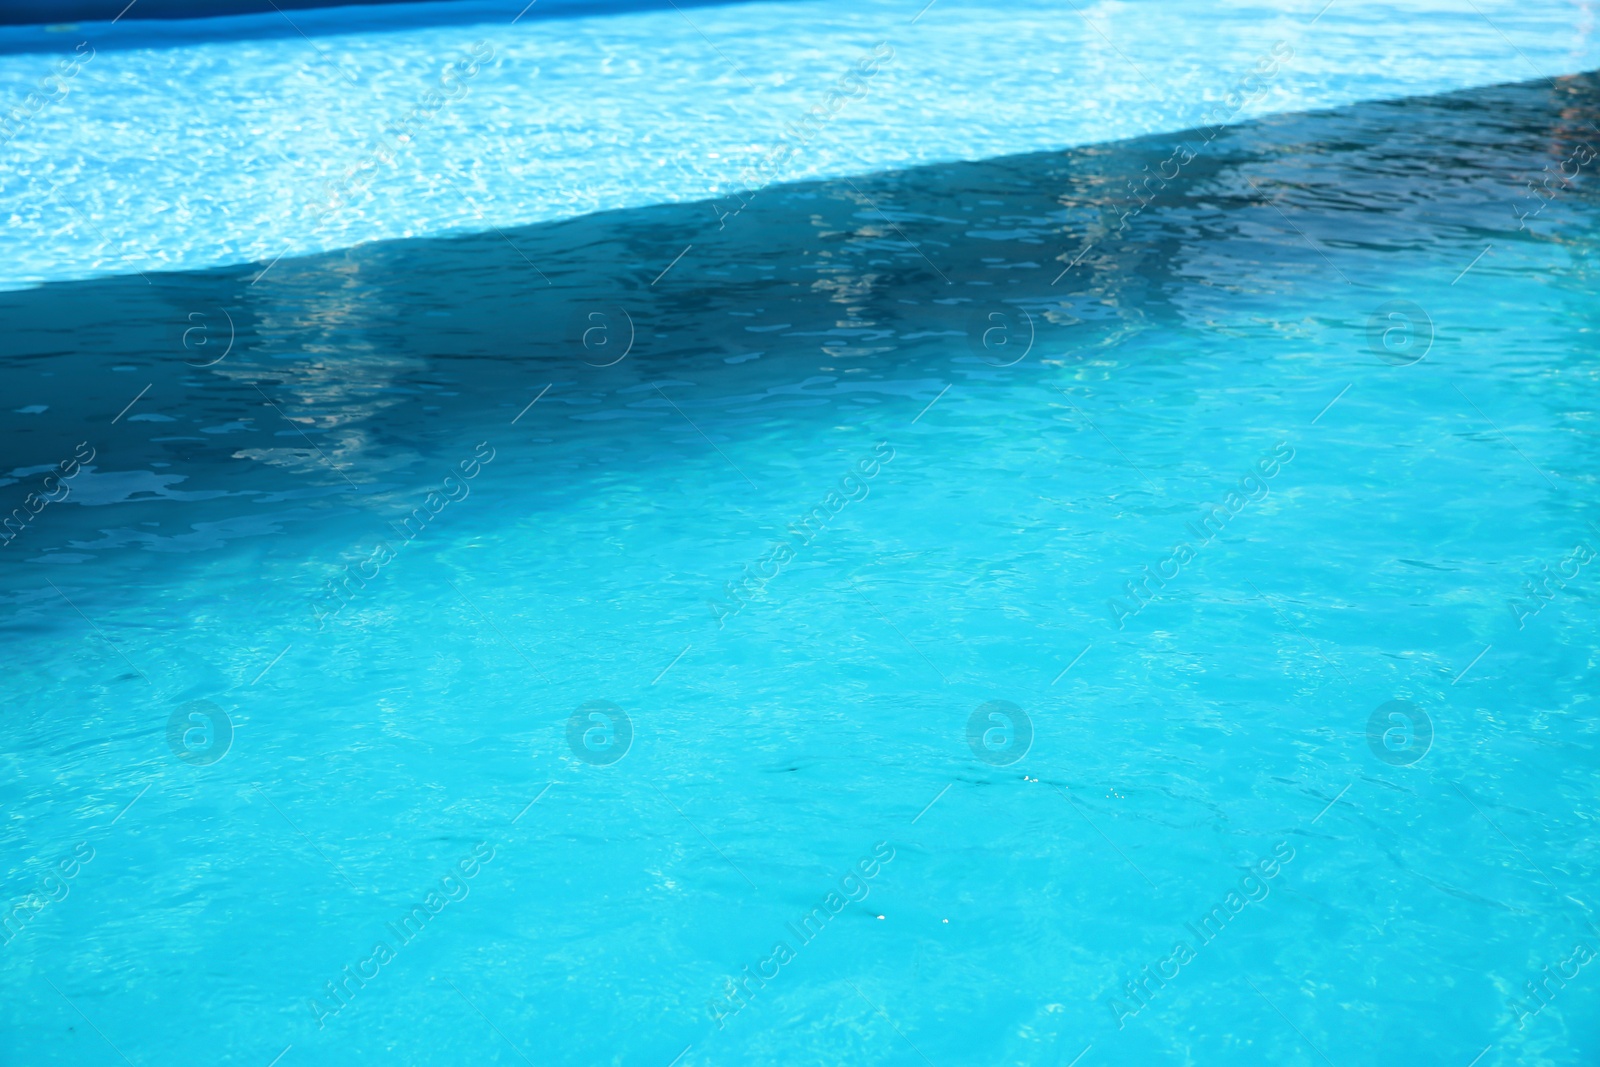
[986, 613]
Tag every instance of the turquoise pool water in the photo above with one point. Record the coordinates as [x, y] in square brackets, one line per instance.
[969, 613]
[192, 144]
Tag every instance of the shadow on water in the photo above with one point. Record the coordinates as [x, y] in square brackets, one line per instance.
[250, 390]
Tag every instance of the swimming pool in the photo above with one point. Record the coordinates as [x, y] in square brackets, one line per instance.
[179, 145]
[1085, 589]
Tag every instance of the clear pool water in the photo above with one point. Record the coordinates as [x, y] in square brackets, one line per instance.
[177, 145]
[959, 614]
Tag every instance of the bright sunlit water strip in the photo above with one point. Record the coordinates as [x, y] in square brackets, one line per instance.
[1357, 333]
[168, 154]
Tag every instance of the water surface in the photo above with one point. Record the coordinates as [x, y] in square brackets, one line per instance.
[986, 497]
